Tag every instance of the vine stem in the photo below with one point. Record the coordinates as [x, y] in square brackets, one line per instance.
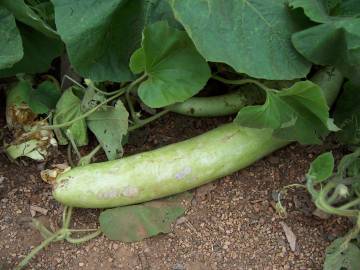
[142, 123]
[128, 99]
[66, 124]
[87, 159]
[241, 82]
[36, 250]
[322, 204]
[350, 204]
[83, 239]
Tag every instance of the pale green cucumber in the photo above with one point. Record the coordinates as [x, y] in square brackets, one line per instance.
[169, 170]
[221, 105]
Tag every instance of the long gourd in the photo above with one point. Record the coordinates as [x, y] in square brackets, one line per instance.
[215, 106]
[171, 169]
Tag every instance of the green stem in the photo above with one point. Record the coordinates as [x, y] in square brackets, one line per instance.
[350, 204]
[69, 123]
[108, 93]
[69, 156]
[310, 187]
[67, 220]
[147, 120]
[64, 215]
[73, 144]
[36, 250]
[83, 239]
[133, 115]
[82, 230]
[87, 159]
[71, 80]
[66, 124]
[241, 82]
[41, 228]
[323, 205]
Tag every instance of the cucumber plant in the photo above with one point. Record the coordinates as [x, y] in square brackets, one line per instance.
[159, 56]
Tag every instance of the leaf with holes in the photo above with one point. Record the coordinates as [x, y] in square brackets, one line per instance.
[67, 109]
[341, 256]
[91, 98]
[110, 124]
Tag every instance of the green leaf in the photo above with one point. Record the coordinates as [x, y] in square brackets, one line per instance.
[137, 61]
[175, 70]
[348, 8]
[322, 167]
[91, 99]
[109, 125]
[347, 114]
[335, 43]
[39, 52]
[11, 50]
[100, 46]
[27, 15]
[110, 31]
[159, 10]
[298, 113]
[316, 10]
[342, 257]
[19, 94]
[44, 97]
[348, 164]
[251, 36]
[40, 100]
[31, 149]
[136, 222]
[67, 109]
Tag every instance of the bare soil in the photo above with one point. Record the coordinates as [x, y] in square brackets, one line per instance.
[231, 223]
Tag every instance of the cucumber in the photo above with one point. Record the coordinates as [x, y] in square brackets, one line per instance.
[169, 170]
[221, 105]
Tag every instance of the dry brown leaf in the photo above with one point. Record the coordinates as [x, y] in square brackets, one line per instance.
[290, 236]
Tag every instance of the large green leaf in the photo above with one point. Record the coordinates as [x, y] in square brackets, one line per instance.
[335, 43]
[347, 114]
[159, 10]
[67, 109]
[110, 124]
[316, 10]
[251, 36]
[175, 70]
[298, 113]
[348, 8]
[136, 222]
[342, 257]
[322, 167]
[27, 15]
[11, 50]
[39, 52]
[100, 36]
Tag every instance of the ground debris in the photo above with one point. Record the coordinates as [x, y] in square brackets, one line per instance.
[290, 236]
